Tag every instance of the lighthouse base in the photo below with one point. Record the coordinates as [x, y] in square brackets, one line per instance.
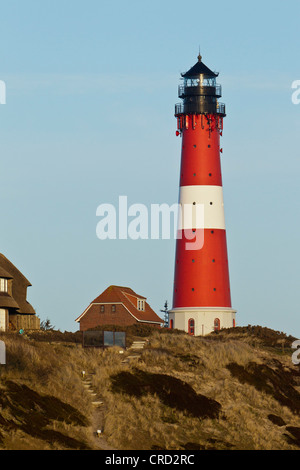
[201, 321]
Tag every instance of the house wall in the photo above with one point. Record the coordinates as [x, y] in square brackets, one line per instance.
[24, 322]
[9, 286]
[3, 319]
[94, 317]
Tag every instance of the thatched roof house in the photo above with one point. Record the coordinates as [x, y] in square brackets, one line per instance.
[15, 311]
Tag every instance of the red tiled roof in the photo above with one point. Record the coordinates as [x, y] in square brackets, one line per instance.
[117, 294]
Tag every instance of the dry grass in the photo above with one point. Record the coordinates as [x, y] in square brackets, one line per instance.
[47, 370]
[246, 376]
[146, 422]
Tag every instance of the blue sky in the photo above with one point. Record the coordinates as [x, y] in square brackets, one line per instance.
[91, 88]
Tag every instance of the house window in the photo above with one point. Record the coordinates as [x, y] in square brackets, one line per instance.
[191, 327]
[113, 309]
[141, 305]
[102, 308]
[3, 285]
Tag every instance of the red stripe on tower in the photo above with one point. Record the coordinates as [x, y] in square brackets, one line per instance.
[201, 298]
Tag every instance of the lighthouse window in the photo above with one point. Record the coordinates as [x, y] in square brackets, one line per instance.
[211, 203]
[213, 260]
[215, 289]
[212, 232]
[195, 146]
[193, 289]
[209, 146]
[210, 174]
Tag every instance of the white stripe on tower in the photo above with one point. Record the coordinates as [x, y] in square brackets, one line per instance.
[211, 197]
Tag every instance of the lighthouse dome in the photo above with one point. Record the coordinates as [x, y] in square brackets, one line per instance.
[199, 69]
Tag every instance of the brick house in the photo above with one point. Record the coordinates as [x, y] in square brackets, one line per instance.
[118, 306]
[15, 311]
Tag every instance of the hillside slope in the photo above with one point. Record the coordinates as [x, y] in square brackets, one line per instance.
[234, 390]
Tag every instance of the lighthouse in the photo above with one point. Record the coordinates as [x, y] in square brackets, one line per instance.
[201, 296]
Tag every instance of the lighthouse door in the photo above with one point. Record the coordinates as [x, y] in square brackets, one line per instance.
[217, 324]
[191, 327]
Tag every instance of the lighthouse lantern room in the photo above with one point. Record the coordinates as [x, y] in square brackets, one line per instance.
[201, 297]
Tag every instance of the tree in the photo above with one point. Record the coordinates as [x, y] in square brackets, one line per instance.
[166, 315]
[46, 325]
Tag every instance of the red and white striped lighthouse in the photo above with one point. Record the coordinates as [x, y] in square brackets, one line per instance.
[201, 298]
